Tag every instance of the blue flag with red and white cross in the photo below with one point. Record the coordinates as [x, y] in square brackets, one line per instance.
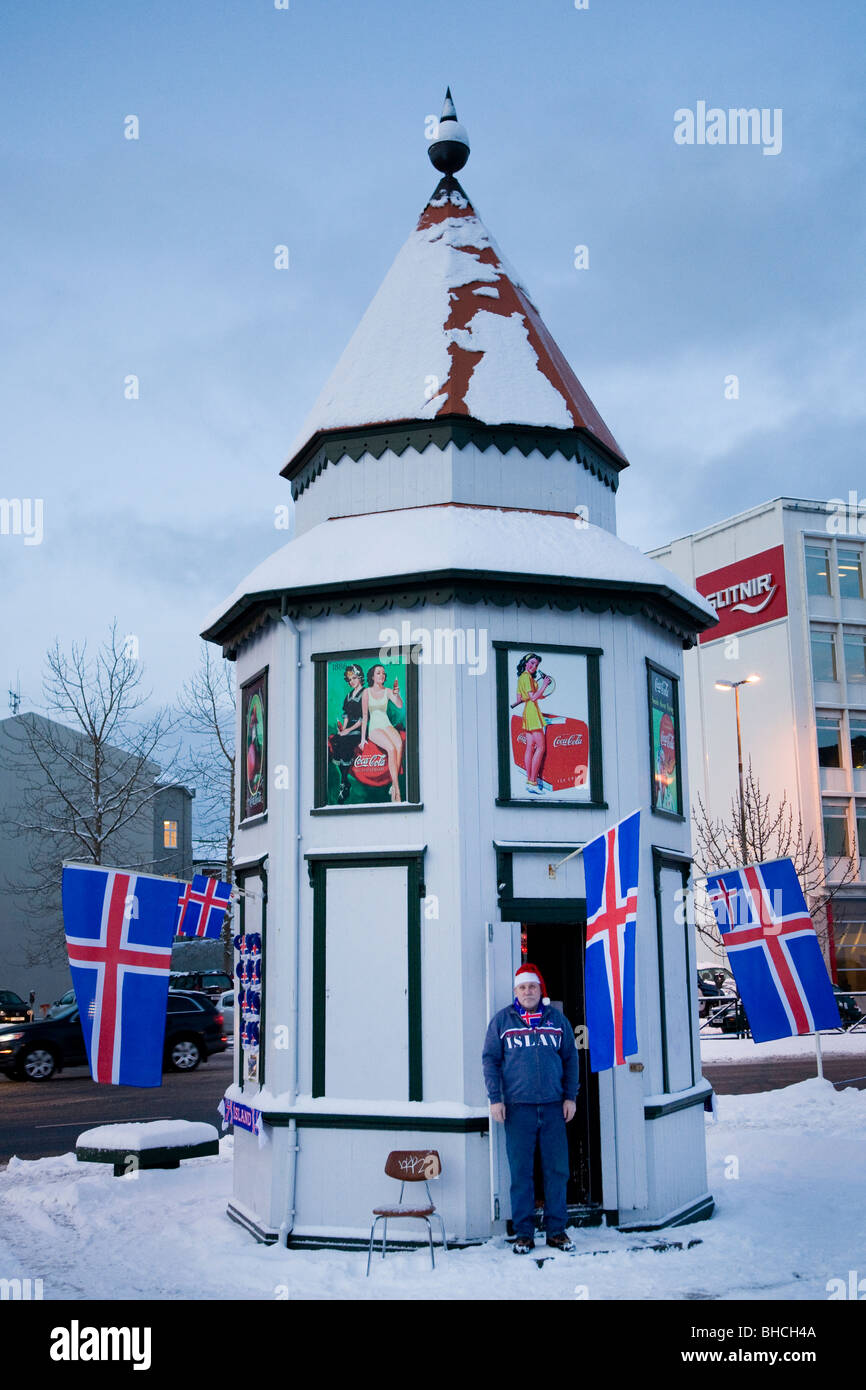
[202, 906]
[611, 874]
[773, 950]
[119, 927]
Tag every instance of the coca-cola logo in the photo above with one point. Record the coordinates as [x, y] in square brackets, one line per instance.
[568, 742]
[378, 761]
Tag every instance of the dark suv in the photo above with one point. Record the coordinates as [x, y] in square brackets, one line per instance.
[12, 1008]
[210, 982]
[35, 1051]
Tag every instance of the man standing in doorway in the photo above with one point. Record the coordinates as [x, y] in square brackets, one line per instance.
[531, 1074]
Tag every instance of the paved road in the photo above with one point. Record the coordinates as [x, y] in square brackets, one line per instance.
[745, 1078]
[46, 1117]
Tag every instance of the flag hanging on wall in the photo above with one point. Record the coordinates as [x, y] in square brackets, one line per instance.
[119, 928]
[773, 950]
[201, 907]
[611, 874]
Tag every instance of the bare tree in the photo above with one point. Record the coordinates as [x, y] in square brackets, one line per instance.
[207, 704]
[772, 831]
[86, 776]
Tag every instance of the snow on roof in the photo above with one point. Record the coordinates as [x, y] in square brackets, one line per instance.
[451, 331]
[447, 537]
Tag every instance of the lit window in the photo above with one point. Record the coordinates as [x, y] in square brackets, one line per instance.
[854, 644]
[835, 831]
[823, 655]
[169, 834]
[818, 569]
[829, 743]
[850, 573]
[858, 740]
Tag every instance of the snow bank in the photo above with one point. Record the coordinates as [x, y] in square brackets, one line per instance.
[150, 1134]
[786, 1170]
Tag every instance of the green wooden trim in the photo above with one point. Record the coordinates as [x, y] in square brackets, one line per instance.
[502, 732]
[330, 446]
[320, 717]
[512, 909]
[370, 810]
[701, 1210]
[670, 1107]
[670, 675]
[305, 1119]
[318, 878]
[542, 909]
[413, 964]
[672, 859]
[506, 647]
[596, 773]
[563, 594]
[263, 1012]
[257, 868]
[320, 727]
[318, 865]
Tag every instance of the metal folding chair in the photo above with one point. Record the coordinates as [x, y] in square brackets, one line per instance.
[409, 1165]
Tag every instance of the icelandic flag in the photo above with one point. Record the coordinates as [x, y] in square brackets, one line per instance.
[611, 871]
[119, 927]
[773, 950]
[201, 907]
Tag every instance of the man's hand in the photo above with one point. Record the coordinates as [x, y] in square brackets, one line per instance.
[568, 1109]
[498, 1111]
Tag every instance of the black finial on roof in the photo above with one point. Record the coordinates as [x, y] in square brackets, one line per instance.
[450, 149]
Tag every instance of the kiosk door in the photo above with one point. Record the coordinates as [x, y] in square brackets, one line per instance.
[557, 948]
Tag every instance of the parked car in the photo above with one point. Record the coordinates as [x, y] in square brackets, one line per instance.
[226, 1005]
[194, 1029]
[212, 982]
[12, 1008]
[848, 1008]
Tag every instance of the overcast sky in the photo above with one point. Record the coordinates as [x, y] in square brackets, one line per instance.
[261, 126]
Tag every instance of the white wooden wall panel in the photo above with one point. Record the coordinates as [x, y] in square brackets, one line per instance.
[367, 989]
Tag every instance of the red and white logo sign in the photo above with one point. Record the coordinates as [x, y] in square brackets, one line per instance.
[747, 593]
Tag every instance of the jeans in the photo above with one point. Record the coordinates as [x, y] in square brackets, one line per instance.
[526, 1125]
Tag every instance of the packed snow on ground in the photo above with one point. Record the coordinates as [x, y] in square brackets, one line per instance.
[786, 1168]
[724, 1048]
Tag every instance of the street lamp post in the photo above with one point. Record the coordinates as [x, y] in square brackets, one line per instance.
[735, 686]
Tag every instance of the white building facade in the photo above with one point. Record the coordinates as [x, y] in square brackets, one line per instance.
[455, 515]
[787, 580]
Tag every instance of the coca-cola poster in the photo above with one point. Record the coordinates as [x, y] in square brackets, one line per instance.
[546, 724]
[666, 782]
[254, 734]
[368, 719]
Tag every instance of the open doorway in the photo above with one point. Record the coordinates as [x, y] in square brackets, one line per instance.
[558, 948]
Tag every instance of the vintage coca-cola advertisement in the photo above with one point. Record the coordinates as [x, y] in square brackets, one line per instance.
[367, 722]
[254, 784]
[548, 724]
[666, 787]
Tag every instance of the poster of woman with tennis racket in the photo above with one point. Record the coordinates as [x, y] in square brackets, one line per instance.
[549, 725]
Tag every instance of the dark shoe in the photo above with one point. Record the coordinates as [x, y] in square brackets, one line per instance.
[523, 1245]
[561, 1242]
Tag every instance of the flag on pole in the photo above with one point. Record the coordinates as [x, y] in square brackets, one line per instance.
[773, 950]
[201, 907]
[119, 927]
[611, 874]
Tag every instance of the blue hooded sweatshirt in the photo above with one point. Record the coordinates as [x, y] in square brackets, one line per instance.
[526, 1065]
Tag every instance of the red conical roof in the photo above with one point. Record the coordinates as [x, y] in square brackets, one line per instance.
[452, 331]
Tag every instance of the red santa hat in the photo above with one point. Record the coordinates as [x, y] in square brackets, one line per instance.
[530, 974]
